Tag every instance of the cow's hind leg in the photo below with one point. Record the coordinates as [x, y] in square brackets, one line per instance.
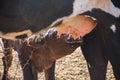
[7, 59]
[115, 62]
[115, 56]
[49, 73]
[95, 55]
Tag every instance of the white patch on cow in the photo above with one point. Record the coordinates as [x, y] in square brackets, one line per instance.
[13, 35]
[113, 28]
[80, 6]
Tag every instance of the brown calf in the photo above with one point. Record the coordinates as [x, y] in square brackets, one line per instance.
[37, 55]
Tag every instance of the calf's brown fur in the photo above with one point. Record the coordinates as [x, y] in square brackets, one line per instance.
[43, 54]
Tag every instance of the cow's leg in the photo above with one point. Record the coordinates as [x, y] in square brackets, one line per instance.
[95, 55]
[49, 73]
[115, 62]
[115, 55]
[7, 59]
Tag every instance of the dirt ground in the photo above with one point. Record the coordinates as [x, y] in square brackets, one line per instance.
[71, 67]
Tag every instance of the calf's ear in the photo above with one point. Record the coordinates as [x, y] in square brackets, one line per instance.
[76, 26]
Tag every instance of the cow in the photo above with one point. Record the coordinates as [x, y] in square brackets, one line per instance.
[39, 52]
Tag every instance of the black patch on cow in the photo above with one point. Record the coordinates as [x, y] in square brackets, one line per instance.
[31, 14]
[116, 3]
[118, 28]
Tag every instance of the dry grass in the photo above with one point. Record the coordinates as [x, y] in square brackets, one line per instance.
[71, 67]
